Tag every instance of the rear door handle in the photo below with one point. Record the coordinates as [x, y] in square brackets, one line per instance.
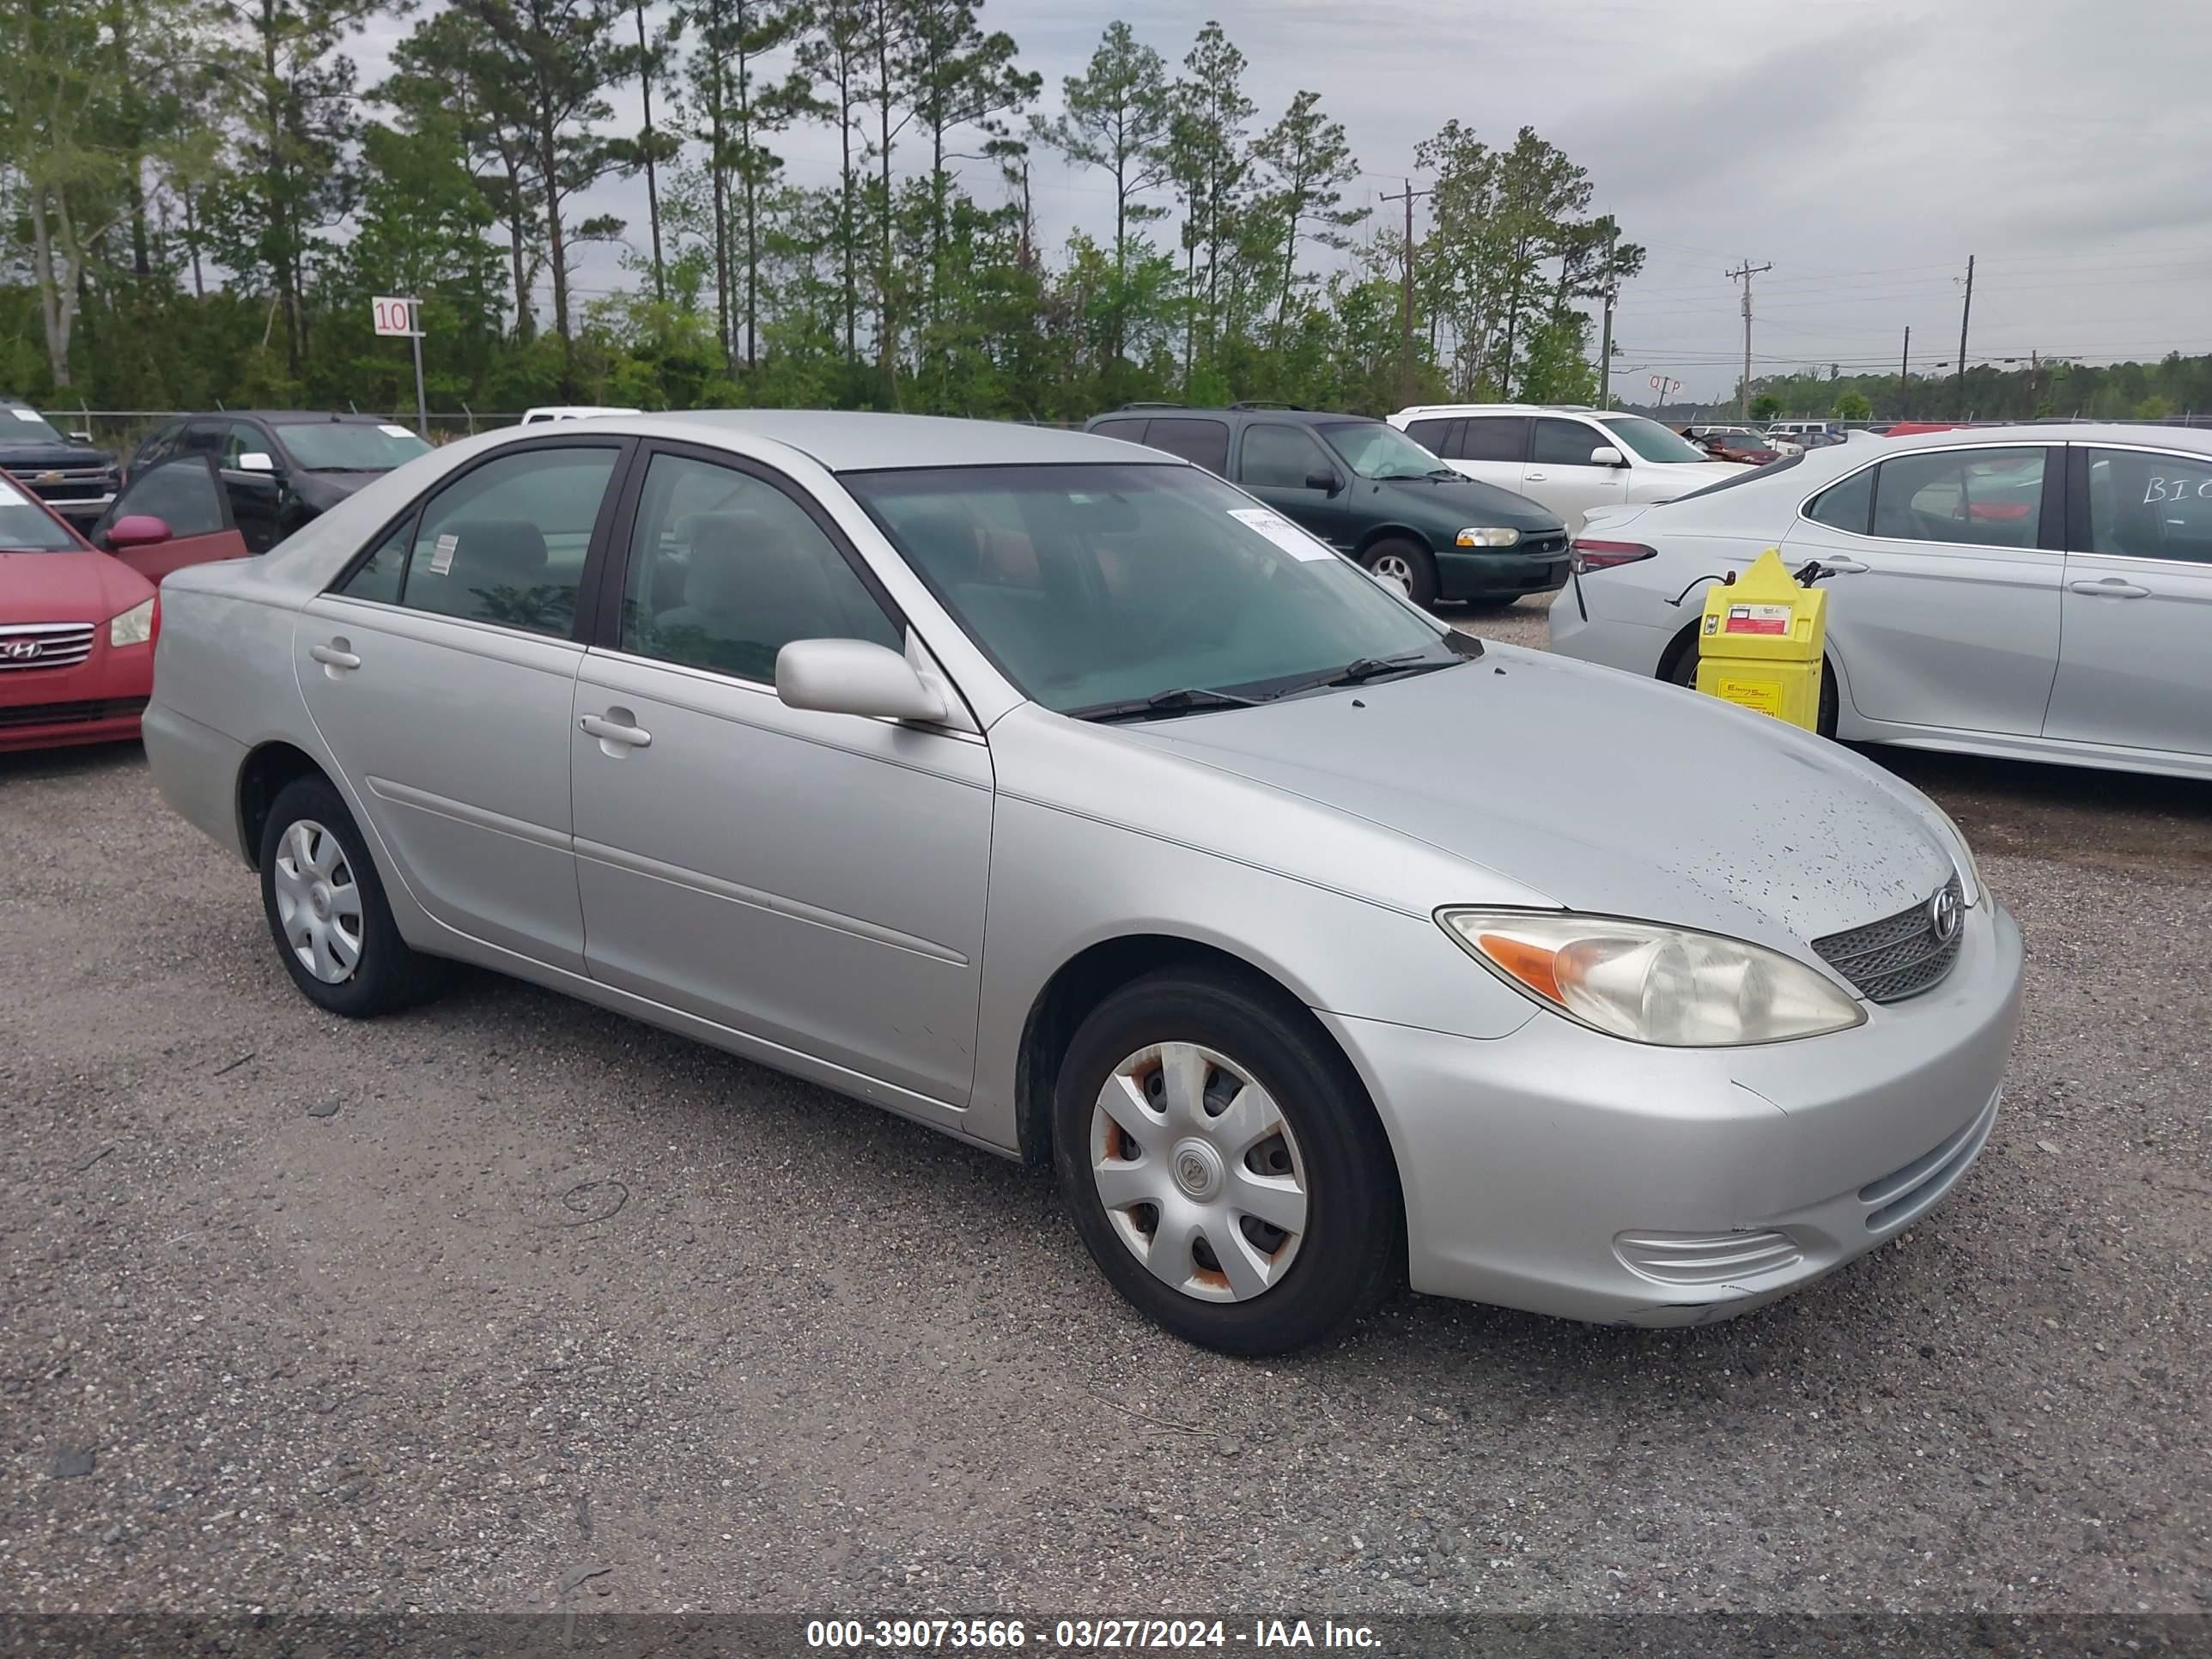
[1844, 567]
[337, 656]
[2111, 588]
[616, 734]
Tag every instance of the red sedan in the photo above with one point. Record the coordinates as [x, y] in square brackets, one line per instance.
[76, 624]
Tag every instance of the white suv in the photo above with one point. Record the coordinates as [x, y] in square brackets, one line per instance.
[1571, 460]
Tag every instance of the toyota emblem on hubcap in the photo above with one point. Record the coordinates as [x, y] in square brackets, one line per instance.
[1943, 915]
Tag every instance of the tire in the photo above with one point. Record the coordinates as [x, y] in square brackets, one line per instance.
[316, 875]
[1405, 565]
[1215, 1052]
[1685, 672]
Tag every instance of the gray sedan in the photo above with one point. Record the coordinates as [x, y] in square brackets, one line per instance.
[2037, 592]
[1078, 804]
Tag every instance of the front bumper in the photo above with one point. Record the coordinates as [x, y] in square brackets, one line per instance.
[1498, 573]
[1570, 1173]
[99, 700]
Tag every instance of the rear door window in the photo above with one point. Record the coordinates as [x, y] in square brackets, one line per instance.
[1206, 443]
[1496, 438]
[1981, 497]
[1563, 443]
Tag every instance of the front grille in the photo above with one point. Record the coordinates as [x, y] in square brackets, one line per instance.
[84, 484]
[1551, 545]
[1900, 956]
[69, 713]
[44, 645]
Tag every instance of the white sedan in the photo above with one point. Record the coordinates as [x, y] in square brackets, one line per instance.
[2041, 593]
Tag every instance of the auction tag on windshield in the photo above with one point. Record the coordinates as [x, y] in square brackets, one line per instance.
[27, 415]
[395, 431]
[1757, 619]
[441, 555]
[10, 496]
[1281, 532]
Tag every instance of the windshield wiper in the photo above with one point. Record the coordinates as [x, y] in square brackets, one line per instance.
[1364, 669]
[1183, 700]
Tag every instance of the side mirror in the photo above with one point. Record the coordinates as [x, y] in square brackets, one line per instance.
[79, 437]
[1324, 481]
[854, 676]
[136, 530]
[1606, 455]
[254, 460]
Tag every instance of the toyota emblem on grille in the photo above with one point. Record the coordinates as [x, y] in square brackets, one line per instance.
[1943, 915]
[18, 650]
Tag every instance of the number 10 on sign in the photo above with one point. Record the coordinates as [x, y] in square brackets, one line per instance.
[392, 315]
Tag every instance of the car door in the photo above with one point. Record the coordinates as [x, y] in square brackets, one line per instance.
[182, 493]
[814, 880]
[1284, 465]
[441, 671]
[1946, 613]
[2134, 658]
[1561, 474]
[252, 475]
[1492, 447]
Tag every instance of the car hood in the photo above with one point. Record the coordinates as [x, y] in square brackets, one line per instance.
[1601, 791]
[325, 491]
[80, 586]
[1459, 501]
[41, 451]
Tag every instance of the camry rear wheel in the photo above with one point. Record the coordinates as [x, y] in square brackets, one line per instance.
[326, 909]
[1224, 1165]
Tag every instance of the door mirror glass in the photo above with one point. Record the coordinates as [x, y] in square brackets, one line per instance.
[854, 676]
[136, 530]
[1606, 455]
[254, 460]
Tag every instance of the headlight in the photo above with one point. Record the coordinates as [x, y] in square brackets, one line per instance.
[134, 627]
[1494, 535]
[1652, 983]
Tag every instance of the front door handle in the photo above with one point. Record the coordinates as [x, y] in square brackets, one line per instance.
[1844, 567]
[336, 658]
[2111, 588]
[1537, 478]
[614, 732]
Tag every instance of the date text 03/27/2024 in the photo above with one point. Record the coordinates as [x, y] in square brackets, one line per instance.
[1084, 1635]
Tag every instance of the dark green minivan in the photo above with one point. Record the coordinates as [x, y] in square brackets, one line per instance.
[1369, 491]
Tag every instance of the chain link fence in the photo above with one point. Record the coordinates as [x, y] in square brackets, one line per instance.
[120, 429]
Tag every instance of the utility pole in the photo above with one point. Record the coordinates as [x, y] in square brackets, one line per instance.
[1604, 346]
[1965, 315]
[1408, 195]
[1744, 273]
[1905, 375]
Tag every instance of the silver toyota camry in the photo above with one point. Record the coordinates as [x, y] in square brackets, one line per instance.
[1078, 804]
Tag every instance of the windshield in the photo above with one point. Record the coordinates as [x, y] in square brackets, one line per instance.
[27, 424]
[1376, 451]
[349, 445]
[26, 527]
[1652, 441]
[1097, 585]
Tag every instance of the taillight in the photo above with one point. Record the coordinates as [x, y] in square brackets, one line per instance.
[1590, 556]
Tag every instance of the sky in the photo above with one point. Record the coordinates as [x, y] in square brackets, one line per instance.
[1863, 148]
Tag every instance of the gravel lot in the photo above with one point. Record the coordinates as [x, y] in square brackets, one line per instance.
[511, 1304]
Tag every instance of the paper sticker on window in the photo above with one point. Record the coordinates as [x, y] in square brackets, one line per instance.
[1757, 619]
[395, 431]
[27, 415]
[1281, 532]
[9, 497]
[441, 555]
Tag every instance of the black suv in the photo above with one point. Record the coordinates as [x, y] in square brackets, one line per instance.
[65, 473]
[283, 467]
[1369, 491]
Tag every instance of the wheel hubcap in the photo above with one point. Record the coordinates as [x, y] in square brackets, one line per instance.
[1393, 568]
[318, 903]
[1198, 1171]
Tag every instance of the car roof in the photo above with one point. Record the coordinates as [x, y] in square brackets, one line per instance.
[2198, 439]
[848, 441]
[1418, 409]
[1253, 412]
